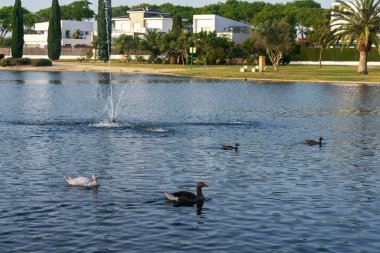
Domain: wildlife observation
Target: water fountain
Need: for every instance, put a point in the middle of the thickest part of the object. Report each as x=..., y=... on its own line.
x=107, y=6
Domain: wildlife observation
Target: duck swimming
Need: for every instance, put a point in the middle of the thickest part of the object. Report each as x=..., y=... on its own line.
x=82, y=181
x=229, y=147
x=188, y=198
x=313, y=142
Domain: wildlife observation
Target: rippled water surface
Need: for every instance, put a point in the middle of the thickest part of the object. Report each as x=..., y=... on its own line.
x=274, y=195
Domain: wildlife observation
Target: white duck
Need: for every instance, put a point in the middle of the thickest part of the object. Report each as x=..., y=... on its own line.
x=82, y=181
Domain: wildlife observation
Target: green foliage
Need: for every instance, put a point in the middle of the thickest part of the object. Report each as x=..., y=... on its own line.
x=42, y=15
x=119, y=11
x=77, y=10
x=17, y=30
x=5, y=20
x=104, y=29
x=277, y=37
x=304, y=4
x=212, y=49
x=15, y=61
x=177, y=23
x=54, y=32
x=333, y=54
x=23, y=61
x=6, y=62
x=153, y=40
x=76, y=34
x=358, y=21
x=125, y=44
x=5, y=42
x=42, y=62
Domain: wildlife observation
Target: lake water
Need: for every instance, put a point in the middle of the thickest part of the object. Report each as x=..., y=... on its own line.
x=275, y=194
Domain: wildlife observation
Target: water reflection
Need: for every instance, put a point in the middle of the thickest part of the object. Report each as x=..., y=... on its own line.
x=275, y=194
x=83, y=190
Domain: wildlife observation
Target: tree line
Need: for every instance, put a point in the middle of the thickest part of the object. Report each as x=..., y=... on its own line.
x=298, y=13
x=275, y=28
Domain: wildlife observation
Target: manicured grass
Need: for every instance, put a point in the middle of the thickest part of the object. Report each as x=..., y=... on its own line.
x=291, y=73
x=285, y=73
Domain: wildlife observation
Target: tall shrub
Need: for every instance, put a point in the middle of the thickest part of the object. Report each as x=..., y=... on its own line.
x=17, y=30
x=104, y=29
x=54, y=32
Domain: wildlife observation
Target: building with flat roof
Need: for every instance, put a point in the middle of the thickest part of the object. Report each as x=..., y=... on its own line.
x=140, y=21
x=237, y=31
x=74, y=33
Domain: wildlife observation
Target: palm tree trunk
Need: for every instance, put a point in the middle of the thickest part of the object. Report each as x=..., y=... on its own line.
x=362, y=68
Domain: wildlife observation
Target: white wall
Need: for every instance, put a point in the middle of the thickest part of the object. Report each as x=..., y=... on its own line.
x=40, y=39
x=154, y=24
x=211, y=23
x=203, y=23
x=167, y=24
x=35, y=40
x=121, y=26
x=124, y=25
x=161, y=24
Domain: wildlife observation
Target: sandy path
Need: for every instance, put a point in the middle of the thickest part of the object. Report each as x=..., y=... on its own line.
x=88, y=67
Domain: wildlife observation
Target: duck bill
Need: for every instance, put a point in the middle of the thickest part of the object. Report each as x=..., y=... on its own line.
x=205, y=185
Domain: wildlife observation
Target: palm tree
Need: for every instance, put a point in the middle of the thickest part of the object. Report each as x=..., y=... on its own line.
x=358, y=21
x=152, y=38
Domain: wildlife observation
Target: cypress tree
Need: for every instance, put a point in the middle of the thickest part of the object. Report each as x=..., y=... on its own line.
x=54, y=32
x=17, y=30
x=104, y=29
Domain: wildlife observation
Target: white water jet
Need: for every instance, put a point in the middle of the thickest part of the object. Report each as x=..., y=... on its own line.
x=115, y=107
x=106, y=10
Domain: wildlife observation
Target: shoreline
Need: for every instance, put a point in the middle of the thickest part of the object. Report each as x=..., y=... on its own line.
x=80, y=67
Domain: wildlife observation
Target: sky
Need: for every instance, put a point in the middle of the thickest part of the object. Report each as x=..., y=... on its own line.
x=35, y=5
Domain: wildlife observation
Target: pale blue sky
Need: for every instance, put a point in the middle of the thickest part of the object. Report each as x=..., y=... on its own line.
x=35, y=5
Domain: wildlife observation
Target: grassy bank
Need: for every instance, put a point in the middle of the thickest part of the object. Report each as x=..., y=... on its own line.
x=291, y=73
x=285, y=73
x=345, y=74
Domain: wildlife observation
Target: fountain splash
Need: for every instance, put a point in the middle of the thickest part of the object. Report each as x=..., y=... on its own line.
x=108, y=11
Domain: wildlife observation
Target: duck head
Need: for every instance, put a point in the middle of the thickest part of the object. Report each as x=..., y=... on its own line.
x=201, y=184
x=94, y=178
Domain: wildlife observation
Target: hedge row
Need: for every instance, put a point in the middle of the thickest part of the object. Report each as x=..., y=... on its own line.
x=25, y=61
x=333, y=54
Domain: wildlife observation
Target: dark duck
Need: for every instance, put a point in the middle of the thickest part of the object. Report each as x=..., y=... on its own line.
x=229, y=147
x=313, y=142
x=188, y=198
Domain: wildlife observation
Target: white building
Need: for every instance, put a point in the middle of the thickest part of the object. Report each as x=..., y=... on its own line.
x=140, y=21
x=73, y=33
x=238, y=32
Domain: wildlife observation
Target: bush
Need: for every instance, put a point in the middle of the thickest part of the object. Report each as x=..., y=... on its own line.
x=8, y=62
x=15, y=61
x=42, y=62
x=333, y=54
x=23, y=61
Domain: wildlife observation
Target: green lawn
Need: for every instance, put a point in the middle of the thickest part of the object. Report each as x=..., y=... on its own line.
x=285, y=73
x=290, y=73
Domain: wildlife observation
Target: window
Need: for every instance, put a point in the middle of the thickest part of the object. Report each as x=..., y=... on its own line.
x=67, y=33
